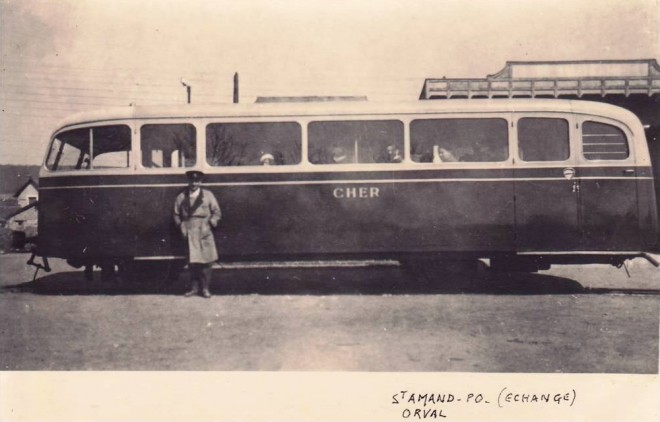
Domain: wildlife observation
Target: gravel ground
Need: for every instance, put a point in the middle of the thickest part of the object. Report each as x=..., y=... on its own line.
x=375, y=318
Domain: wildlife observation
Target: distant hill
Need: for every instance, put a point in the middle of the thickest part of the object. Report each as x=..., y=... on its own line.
x=13, y=176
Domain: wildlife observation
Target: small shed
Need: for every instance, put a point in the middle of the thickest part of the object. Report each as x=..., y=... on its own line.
x=24, y=220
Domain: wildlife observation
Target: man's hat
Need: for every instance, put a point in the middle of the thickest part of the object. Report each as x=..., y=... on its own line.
x=194, y=175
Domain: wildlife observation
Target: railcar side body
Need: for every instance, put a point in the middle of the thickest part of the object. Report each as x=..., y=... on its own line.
x=558, y=180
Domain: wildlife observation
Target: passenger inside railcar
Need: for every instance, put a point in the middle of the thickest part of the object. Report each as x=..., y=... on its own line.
x=339, y=156
x=393, y=154
x=267, y=159
x=443, y=155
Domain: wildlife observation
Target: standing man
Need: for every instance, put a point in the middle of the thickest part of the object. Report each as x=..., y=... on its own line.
x=196, y=214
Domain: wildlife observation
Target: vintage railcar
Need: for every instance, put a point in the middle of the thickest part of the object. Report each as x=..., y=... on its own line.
x=526, y=183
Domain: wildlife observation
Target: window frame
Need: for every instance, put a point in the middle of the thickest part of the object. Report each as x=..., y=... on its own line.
x=205, y=123
x=572, y=139
x=496, y=115
x=405, y=126
x=630, y=159
x=168, y=121
x=106, y=170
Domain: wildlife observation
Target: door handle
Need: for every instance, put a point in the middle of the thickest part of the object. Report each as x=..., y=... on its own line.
x=576, y=186
x=629, y=171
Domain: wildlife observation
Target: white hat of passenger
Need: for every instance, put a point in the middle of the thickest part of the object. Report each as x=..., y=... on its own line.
x=266, y=157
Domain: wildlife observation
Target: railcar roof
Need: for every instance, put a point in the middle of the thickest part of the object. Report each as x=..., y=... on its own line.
x=346, y=108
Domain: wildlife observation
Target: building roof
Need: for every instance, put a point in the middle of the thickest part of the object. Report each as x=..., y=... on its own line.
x=25, y=185
x=21, y=210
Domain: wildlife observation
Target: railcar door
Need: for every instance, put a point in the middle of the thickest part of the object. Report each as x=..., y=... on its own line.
x=85, y=207
x=609, y=215
x=546, y=188
x=468, y=206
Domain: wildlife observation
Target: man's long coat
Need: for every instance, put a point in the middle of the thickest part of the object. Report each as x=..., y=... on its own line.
x=196, y=222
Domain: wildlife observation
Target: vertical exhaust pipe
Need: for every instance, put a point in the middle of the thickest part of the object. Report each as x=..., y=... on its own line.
x=236, y=88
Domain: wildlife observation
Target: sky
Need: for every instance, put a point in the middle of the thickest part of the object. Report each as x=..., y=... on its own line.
x=65, y=56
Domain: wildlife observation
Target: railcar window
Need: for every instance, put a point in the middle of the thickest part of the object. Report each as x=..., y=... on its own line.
x=601, y=141
x=363, y=141
x=543, y=139
x=168, y=145
x=112, y=146
x=253, y=144
x=90, y=148
x=451, y=140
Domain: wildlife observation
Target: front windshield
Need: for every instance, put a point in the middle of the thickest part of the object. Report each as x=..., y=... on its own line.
x=96, y=147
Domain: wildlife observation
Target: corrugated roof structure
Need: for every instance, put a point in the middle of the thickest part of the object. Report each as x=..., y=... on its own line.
x=558, y=79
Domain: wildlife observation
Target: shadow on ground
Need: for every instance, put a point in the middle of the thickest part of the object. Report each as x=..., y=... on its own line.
x=324, y=281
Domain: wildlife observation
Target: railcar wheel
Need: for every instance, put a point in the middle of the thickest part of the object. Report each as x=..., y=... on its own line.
x=157, y=275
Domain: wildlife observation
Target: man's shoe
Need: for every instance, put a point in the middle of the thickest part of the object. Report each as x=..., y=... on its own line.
x=206, y=294
x=190, y=293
